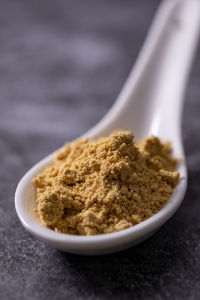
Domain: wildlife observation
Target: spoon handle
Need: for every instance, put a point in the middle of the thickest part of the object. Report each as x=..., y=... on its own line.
x=151, y=100
x=176, y=57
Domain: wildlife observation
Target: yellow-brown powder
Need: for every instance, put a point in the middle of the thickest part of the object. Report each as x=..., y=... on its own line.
x=106, y=185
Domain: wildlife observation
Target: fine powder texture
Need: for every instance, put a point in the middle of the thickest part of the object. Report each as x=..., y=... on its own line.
x=106, y=185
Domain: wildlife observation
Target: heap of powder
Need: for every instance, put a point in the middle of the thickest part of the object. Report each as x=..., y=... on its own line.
x=105, y=185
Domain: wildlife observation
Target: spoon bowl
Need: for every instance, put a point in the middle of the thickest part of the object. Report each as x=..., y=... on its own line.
x=149, y=103
x=90, y=245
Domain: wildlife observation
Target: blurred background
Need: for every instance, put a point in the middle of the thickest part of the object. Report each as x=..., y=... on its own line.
x=62, y=65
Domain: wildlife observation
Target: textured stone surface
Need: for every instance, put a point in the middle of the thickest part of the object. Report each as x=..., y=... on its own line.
x=62, y=64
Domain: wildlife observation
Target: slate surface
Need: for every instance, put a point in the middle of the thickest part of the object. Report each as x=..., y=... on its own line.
x=62, y=63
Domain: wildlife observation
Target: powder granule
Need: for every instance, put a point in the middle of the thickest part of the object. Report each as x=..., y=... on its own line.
x=105, y=185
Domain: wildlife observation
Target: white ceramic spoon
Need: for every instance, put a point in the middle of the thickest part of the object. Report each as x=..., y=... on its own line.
x=149, y=103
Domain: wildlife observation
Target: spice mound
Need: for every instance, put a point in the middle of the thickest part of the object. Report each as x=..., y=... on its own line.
x=105, y=185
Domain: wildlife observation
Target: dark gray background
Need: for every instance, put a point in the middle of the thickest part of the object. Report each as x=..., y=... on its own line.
x=62, y=64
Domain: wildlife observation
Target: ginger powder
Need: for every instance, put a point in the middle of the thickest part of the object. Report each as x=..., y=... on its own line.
x=106, y=185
